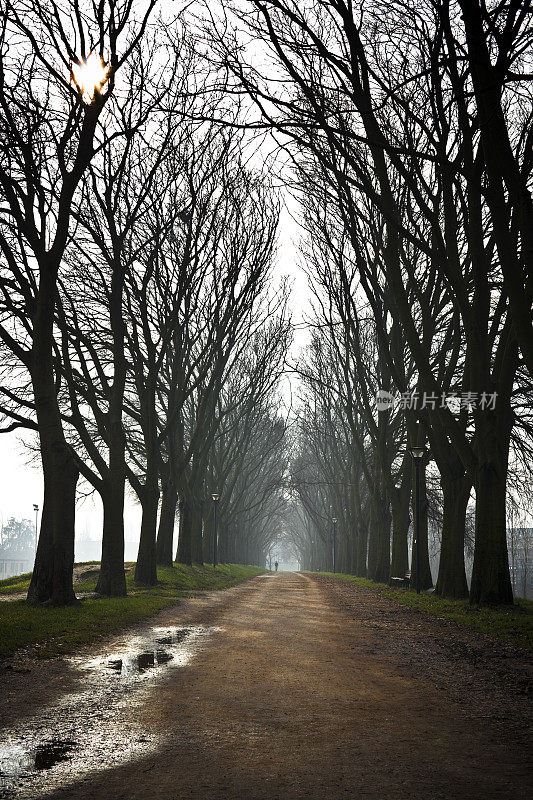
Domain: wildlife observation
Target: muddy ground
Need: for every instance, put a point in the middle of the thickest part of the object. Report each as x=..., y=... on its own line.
x=298, y=687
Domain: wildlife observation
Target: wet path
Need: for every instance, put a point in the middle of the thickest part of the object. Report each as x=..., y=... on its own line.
x=88, y=729
x=269, y=690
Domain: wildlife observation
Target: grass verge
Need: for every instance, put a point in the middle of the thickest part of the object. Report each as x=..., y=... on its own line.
x=510, y=623
x=52, y=631
x=18, y=583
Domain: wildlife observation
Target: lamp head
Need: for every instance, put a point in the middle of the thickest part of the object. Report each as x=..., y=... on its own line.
x=35, y=507
x=215, y=496
x=334, y=520
x=417, y=452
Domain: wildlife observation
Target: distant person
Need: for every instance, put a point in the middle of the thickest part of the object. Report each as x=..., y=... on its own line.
x=276, y=565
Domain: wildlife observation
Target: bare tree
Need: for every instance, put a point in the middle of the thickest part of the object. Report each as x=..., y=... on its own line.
x=49, y=122
x=121, y=185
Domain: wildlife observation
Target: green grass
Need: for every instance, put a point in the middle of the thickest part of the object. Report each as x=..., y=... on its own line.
x=510, y=623
x=361, y=583
x=20, y=583
x=51, y=631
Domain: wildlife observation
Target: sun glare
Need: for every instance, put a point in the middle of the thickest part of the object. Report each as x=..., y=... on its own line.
x=90, y=76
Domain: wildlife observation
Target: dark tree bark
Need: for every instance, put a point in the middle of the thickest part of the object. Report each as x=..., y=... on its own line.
x=51, y=580
x=382, y=569
x=491, y=581
x=451, y=580
x=379, y=534
x=60, y=469
x=426, y=581
x=362, y=550
x=197, y=531
x=112, y=579
x=400, y=530
x=184, y=553
x=146, y=567
x=167, y=521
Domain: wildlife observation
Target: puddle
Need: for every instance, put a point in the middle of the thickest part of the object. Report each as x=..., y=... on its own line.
x=50, y=753
x=93, y=729
x=138, y=658
x=17, y=759
x=140, y=663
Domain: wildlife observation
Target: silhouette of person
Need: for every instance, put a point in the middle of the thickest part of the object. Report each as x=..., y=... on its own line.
x=276, y=565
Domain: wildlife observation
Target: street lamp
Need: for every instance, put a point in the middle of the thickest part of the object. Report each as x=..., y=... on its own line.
x=216, y=498
x=334, y=520
x=36, y=509
x=417, y=454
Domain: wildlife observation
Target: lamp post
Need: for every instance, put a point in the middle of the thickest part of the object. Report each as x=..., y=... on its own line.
x=417, y=454
x=36, y=509
x=216, y=498
x=334, y=520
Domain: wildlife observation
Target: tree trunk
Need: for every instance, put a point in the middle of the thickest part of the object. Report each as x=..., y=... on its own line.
x=379, y=540
x=64, y=513
x=167, y=519
x=207, y=534
x=426, y=580
x=382, y=570
x=400, y=531
x=184, y=554
x=196, y=532
x=54, y=561
x=51, y=580
x=451, y=581
x=207, y=539
x=146, y=567
x=491, y=581
x=354, y=544
x=373, y=533
x=362, y=547
x=112, y=580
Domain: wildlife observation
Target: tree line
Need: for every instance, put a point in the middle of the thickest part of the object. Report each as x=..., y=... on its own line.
x=142, y=340
x=141, y=337
x=407, y=135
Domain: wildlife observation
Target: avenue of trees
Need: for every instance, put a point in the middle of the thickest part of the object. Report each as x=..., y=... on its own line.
x=407, y=134
x=143, y=338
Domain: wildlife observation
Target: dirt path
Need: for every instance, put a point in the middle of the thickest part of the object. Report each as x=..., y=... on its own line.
x=313, y=689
